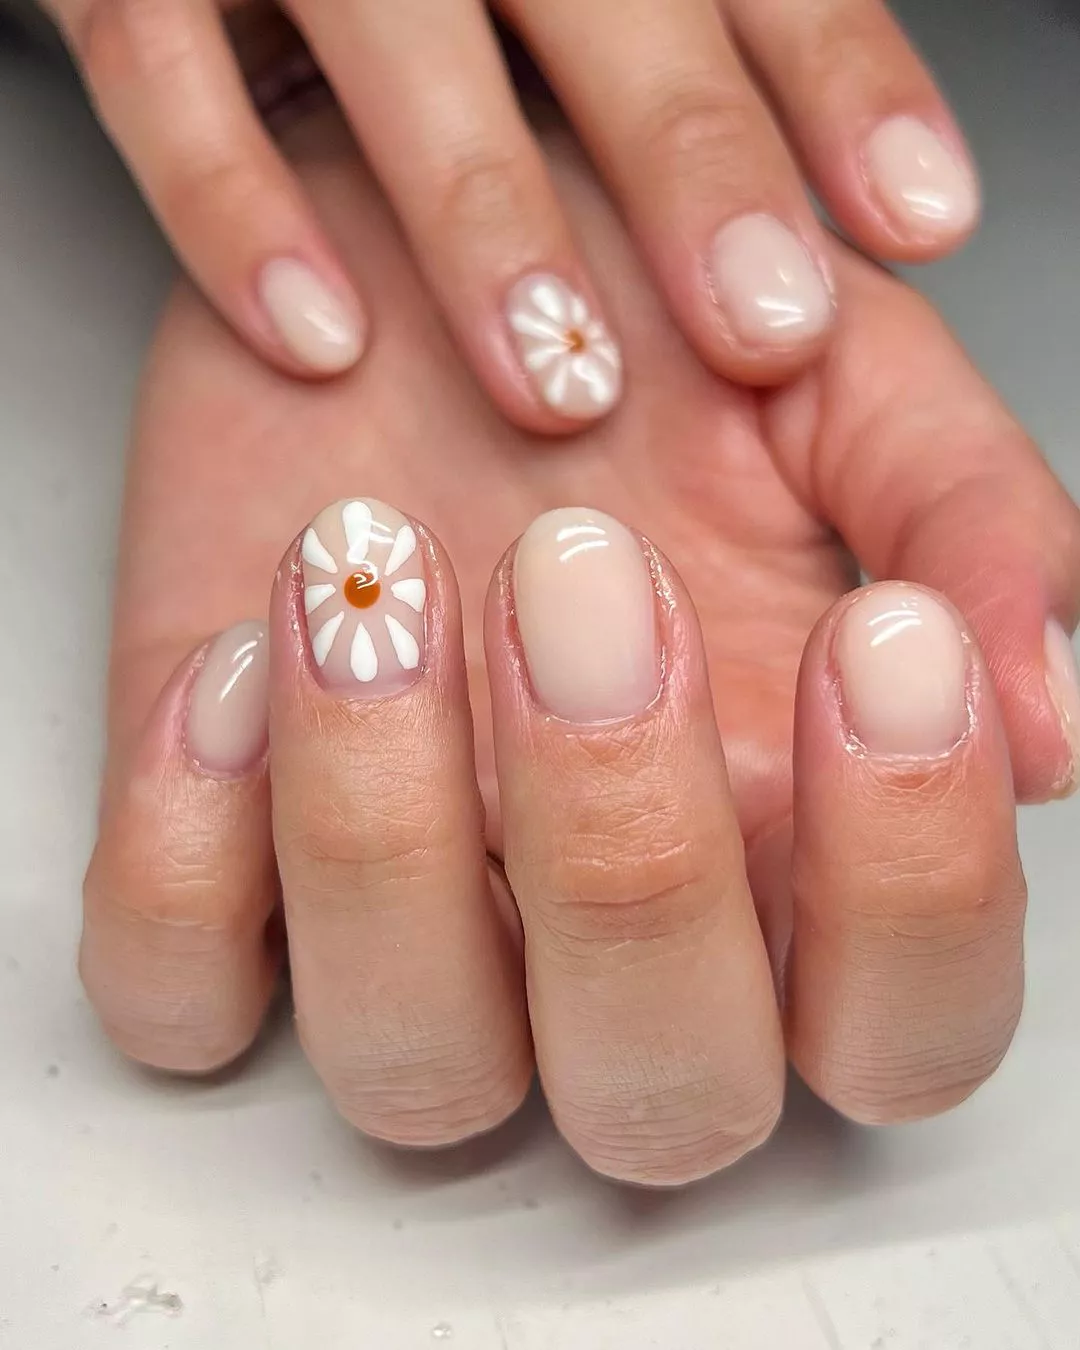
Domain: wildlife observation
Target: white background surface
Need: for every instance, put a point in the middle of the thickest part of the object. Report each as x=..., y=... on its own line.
x=272, y=1223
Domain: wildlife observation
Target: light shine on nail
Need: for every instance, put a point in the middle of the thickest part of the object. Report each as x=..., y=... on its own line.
x=1063, y=686
x=586, y=612
x=902, y=661
x=770, y=289
x=364, y=598
x=568, y=353
x=228, y=714
x=320, y=330
x=920, y=181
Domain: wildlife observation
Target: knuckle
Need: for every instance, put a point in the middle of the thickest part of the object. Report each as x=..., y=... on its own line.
x=701, y=134
x=116, y=41
x=201, y=189
x=675, y=1138
x=484, y=192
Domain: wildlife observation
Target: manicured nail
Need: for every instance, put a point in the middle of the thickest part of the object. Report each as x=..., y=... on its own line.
x=769, y=287
x=572, y=360
x=1063, y=685
x=228, y=713
x=923, y=185
x=903, y=672
x=586, y=612
x=364, y=598
x=319, y=329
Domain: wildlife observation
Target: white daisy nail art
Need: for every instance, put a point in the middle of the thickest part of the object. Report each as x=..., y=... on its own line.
x=364, y=597
x=568, y=352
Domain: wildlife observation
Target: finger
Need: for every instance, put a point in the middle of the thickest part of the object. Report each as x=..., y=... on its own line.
x=660, y=97
x=408, y=985
x=443, y=130
x=168, y=89
x=873, y=131
x=902, y=445
x=906, y=974
x=651, y=1000
x=177, y=956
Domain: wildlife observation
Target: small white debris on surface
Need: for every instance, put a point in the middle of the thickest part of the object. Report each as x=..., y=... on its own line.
x=142, y=1295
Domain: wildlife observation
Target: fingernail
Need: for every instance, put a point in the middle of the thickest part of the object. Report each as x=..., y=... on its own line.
x=1063, y=685
x=228, y=713
x=586, y=612
x=921, y=183
x=771, y=290
x=319, y=329
x=903, y=672
x=568, y=353
x=364, y=598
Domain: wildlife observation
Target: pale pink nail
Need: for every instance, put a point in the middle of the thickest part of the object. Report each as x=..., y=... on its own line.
x=322, y=331
x=228, y=713
x=1063, y=685
x=365, y=596
x=568, y=353
x=586, y=612
x=770, y=289
x=903, y=672
x=925, y=187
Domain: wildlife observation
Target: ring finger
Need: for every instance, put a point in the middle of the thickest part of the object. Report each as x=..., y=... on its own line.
x=652, y=1005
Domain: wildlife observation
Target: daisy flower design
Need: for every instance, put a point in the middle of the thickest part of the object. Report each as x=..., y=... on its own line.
x=364, y=596
x=571, y=357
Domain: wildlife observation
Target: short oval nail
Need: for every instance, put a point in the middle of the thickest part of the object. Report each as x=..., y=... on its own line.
x=586, y=612
x=902, y=663
x=923, y=185
x=769, y=287
x=228, y=714
x=365, y=596
x=320, y=329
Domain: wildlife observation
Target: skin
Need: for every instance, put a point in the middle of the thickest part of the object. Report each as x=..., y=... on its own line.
x=695, y=113
x=739, y=871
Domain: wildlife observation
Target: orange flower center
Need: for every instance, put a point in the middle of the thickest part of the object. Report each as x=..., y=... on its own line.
x=575, y=340
x=362, y=589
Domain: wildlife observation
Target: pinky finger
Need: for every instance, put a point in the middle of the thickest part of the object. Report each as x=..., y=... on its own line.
x=168, y=88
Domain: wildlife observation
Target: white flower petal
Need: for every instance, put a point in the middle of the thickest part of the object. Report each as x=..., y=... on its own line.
x=404, y=548
x=314, y=596
x=595, y=378
x=555, y=389
x=549, y=299
x=579, y=312
x=323, y=640
x=607, y=351
x=405, y=645
x=540, y=357
x=356, y=518
x=316, y=553
x=411, y=592
x=363, y=662
x=528, y=325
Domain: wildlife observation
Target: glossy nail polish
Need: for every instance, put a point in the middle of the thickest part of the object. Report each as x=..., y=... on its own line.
x=902, y=662
x=570, y=357
x=228, y=713
x=586, y=612
x=364, y=598
x=922, y=184
x=320, y=330
x=1063, y=685
x=770, y=289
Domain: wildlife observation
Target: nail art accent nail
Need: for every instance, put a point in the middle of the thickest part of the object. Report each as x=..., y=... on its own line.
x=319, y=329
x=228, y=713
x=1063, y=686
x=569, y=354
x=364, y=597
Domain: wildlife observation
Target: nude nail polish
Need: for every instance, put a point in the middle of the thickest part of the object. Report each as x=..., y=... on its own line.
x=364, y=598
x=228, y=713
x=321, y=330
x=770, y=289
x=571, y=358
x=923, y=185
x=586, y=612
x=1063, y=686
x=902, y=662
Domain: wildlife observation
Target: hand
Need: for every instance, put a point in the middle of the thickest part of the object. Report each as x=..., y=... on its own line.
x=661, y=93
x=880, y=881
